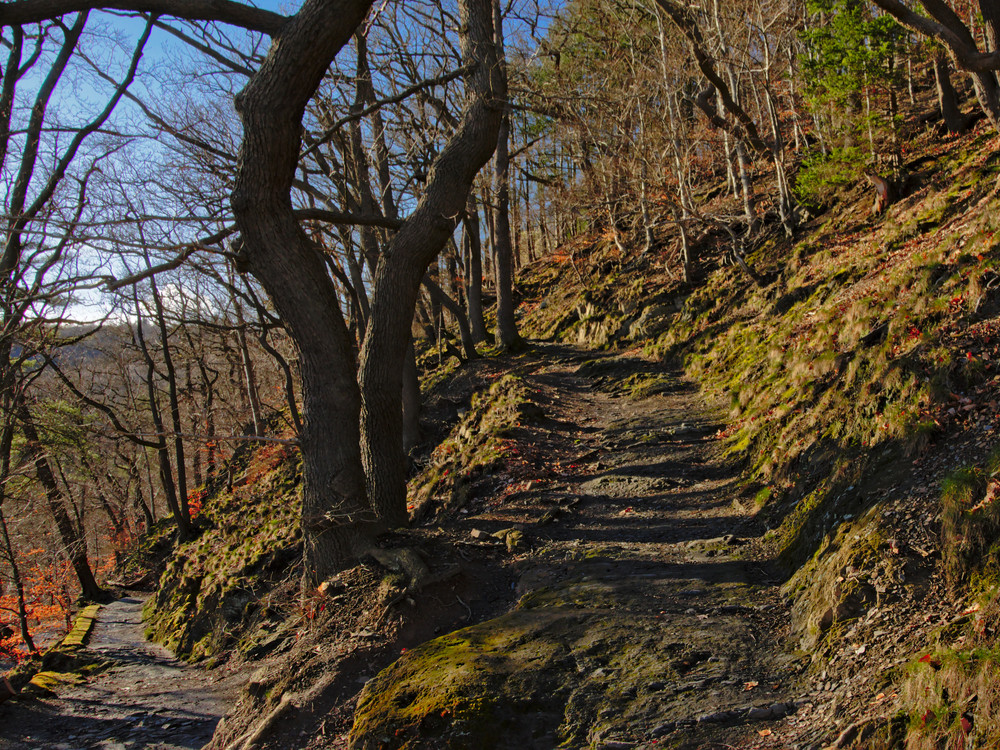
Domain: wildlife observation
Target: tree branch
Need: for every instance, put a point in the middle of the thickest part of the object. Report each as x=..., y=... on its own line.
x=23, y=12
x=338, y=217
x=688, y=26
x=408, y=91
x=965, y=53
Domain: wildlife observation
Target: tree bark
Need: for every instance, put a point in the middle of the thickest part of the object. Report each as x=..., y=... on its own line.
x=401, y=268
x=411, y=400
x=337, y=522
x=947, y=99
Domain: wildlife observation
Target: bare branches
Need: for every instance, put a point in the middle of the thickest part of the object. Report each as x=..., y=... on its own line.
x=395, y=98
x=256, y=19
x=944, y=28
x=23, y=215
x=744, y=127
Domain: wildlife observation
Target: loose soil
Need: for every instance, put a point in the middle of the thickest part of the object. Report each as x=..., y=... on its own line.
x=145, y=698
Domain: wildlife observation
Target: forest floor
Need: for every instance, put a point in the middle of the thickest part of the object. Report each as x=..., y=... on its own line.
x=145, y=698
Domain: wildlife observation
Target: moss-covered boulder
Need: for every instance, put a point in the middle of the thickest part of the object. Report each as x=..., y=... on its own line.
x=571, y=666
x=212, y=591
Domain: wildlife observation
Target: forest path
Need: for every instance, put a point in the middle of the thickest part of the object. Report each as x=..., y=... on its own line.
x=637, y=514
x=147, y=699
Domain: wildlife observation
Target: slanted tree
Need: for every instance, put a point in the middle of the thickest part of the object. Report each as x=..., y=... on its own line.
x=939, y=21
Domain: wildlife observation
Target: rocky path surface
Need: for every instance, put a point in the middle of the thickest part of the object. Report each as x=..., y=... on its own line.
x=147, y=699
x=644, y=538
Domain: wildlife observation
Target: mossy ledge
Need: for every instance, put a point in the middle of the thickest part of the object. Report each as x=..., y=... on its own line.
x=569, y=665
x=213, y=593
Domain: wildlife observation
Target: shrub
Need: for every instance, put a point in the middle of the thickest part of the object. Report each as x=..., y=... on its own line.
x=821, y=176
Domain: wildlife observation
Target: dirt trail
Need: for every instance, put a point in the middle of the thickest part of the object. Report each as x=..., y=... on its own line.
x=637, y=516
x=148, y=699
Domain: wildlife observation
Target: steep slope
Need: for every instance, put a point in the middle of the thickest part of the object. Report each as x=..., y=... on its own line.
x=837, y=396
x=862, y=378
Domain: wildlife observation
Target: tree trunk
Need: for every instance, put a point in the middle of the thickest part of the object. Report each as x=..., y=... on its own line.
x=441, y=297
x=337, y=522
x=947, y=99
x=411, y=400
x=181, y=517
x=15, y=577
x=249, y=372
x=506, y=334
x=71, y=536
x=473, y=249
x=174, y=401
x=401, y=268
x=991, y=16
x=6, y=443
x=945, y=25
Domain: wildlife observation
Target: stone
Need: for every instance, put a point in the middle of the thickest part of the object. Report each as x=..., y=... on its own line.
x=778, y=710
x=664, y=729
x=654, y=320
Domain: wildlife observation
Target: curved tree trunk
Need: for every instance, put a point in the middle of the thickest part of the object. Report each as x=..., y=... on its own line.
x=401, y=268
x=945, y=25
x=337, y=522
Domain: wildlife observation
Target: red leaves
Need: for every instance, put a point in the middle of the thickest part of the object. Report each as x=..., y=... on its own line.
x=930, y=660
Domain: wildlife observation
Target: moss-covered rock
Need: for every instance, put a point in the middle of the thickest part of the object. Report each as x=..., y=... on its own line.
x=475, y=444
x=569, y=665
x=212, y=590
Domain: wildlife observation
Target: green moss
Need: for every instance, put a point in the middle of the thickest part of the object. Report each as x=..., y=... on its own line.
x=475, y=444
x=205, y=598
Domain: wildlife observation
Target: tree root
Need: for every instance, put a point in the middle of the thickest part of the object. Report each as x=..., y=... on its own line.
x=251, y=739
x=407, y=562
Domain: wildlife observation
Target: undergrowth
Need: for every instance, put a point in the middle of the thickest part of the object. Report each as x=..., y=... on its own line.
x=970, y=521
